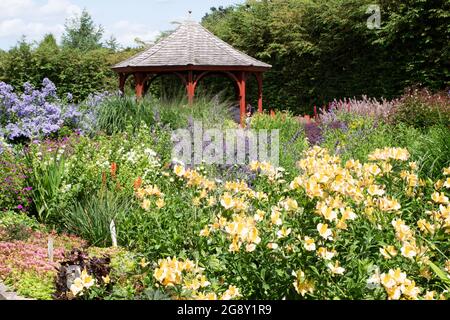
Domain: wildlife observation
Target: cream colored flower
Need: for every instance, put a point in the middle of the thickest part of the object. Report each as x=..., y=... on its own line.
x=309, y=244
x=408, y=250
x=324, y=231
x=231, y=293
x=283, y=233
x=336, y=268
x=179, y=170
x=160, y=203
x=439, y=198
x=272, y=246
x=77, y=287
x=227, y=201
x=388, y=252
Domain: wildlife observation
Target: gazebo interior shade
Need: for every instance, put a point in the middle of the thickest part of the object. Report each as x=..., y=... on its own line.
x=192, y=52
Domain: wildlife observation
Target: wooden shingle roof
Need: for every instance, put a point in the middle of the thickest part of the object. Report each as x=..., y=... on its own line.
x=191, y=45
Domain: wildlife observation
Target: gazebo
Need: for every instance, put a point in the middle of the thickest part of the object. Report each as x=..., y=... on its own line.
x=192, y=53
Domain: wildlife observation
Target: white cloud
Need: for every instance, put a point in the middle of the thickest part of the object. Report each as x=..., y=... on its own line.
x=126, y=32
x=34, y=18
x=58, y=7
x=29, y=18
x=33, y=30
x=14, y=8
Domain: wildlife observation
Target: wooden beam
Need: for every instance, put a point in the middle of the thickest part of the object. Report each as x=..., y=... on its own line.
x=190, y=88
x=242, y=97
x=122, y=80
x=139, y=83
x=158, y=69
x=259, y=78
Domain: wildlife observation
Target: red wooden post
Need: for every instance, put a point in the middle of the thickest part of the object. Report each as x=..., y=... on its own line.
x=242, y=97
x=259, y=78
x=139, y=79
x=122, y=79
x=190, y=87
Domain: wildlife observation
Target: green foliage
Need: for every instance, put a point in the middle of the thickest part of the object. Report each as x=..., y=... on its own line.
x=46, y=179
x=13, y=192
x=18, y=226
x=33, y=285
x=117, y=114
x=91, y=217
x=322, y=50
x=291, y=133
x=81, y=33
x=417, y=32
x=432, y=151
x=428, y=147
x=422, y=110
x=70, y=69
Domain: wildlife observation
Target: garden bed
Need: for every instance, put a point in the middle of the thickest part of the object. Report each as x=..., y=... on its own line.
x=357, y=207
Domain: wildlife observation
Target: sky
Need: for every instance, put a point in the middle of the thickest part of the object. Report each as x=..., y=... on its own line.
x=125, y=19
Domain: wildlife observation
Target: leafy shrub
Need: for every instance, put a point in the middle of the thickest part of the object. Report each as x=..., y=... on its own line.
x=15, y=193
x=328, y=233
x=46, y=179
x=365, y=107
x=33, y=285
x=421, y=109
x=18, y=226
x=91, y=217
x=291, y=133
x=36, y=113
x=92, y=277
x=432, y=151
x=115, y=114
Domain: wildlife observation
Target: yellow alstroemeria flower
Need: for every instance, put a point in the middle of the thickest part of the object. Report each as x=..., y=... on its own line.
x=259, y=216
x=160, y=203
x=87, y=280
x=325, y=254
x=231, y=293
x=301, y=284
x=275, y=217
x=283, y=233
x=250, y=247
x=447, y=183
x=290, y=205
x=146, y=204
x=386, y=204
x=375, y=190
x=179, y=170
x=272, y=246
x=309, y=244
x=336, y=268
x=439, y=198
x=203, y=296
x=77, y=287
x=227, y=201
x=408, y=250
x=425, y=226
x=205, y=232
x=212, y=201
x=143, y=263
x=388, y=252
x=324, y=231
x=106, y=280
